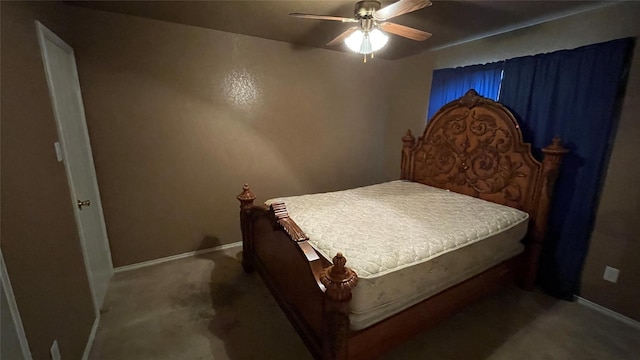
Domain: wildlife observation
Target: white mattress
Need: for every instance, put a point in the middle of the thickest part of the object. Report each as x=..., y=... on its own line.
x=399, y=225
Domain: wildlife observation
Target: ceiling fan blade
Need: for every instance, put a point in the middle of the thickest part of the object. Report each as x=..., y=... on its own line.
x=340, y=38
x=323, y=17
x=405, y=31
x=399, y=8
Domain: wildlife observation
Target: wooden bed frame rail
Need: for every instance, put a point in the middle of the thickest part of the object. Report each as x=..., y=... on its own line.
x=312, y=292
x=472, y=146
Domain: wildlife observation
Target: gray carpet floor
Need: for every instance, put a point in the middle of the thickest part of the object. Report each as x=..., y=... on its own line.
x=206, y=307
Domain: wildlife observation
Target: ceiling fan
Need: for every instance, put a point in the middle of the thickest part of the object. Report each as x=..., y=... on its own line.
x=367, y=37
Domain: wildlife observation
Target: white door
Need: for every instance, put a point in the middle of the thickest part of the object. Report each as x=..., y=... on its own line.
x=64, y=88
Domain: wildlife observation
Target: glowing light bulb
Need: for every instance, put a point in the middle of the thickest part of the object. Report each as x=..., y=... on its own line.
x=366, y=42
x=354, y=40
x=378, y=39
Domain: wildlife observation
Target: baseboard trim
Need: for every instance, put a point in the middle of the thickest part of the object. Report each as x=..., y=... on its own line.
x=92, y=337
x=609, y=312
x=175, y=257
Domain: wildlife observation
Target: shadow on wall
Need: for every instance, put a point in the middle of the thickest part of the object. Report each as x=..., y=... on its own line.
x=209, y=242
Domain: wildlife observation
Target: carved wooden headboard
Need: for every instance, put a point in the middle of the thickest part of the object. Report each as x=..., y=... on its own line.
x=474, y=146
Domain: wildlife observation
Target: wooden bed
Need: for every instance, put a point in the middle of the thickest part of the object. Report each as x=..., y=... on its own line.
x=472, y=146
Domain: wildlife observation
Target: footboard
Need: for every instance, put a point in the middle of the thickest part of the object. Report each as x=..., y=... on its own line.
x=313, y=293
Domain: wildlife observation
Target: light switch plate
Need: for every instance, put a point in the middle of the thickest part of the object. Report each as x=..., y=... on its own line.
x=59, y=154
x=611, y=274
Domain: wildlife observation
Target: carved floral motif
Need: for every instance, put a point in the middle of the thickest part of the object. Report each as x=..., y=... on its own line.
x=281, y=217
x=471, y=148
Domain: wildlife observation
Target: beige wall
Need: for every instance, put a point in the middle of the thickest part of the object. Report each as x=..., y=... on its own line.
x=408, y=107
x=40, y=242
x=615, y=239
x=180, y=117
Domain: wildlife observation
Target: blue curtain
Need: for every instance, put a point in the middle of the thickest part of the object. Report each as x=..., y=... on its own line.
x=574, y=94
x=450, y=84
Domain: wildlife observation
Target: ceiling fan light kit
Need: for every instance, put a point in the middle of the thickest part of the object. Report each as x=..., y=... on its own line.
x=367, y=37
x=366, y=42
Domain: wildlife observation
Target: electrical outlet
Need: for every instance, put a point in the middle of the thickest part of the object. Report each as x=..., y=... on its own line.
x=55, y=351
x=611, y=274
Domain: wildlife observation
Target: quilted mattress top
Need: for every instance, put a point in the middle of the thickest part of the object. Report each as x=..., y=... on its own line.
x=390, y=226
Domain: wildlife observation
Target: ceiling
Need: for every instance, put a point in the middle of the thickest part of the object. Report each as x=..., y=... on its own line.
x=450, y=22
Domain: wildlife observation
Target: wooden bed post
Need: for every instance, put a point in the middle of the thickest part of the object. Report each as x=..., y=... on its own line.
x=246, y=198
x=550, y=170
x=408, y=142
x=338, y=281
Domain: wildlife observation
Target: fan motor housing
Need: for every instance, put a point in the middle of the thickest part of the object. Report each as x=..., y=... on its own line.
x=365, y=9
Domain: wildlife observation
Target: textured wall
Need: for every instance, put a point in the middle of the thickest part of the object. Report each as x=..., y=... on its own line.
x=40, y=242
x=407, y=107
x=615, y=238
x=180, y=117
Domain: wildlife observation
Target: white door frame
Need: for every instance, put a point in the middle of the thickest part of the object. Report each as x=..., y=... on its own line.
x=44, y=33
x=13, y=308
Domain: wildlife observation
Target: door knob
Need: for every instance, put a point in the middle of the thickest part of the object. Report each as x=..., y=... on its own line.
x=83, y=203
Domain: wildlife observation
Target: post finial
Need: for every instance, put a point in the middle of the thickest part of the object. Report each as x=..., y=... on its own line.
x=555, y=148
x=408, y=140
x=246, y=198
x=339, y=279
x=408, y=143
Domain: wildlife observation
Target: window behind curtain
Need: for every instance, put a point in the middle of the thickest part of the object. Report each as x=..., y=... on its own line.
x=571, y=93
x=574, y=94
x=450, y=84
